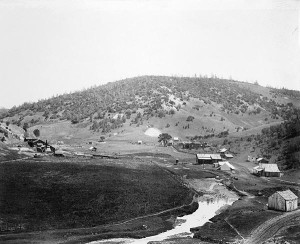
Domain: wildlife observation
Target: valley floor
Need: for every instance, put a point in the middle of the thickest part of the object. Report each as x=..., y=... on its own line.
x=242, y=222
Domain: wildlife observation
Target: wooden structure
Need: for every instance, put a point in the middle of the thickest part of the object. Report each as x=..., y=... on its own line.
x=267, y=170
x=283, y=201
x=262, y=160
x=208, y=158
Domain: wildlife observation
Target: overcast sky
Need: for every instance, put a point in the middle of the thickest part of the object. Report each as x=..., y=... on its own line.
x=56, y=46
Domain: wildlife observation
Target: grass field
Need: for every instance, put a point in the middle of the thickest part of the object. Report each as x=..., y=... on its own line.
x=54, y=195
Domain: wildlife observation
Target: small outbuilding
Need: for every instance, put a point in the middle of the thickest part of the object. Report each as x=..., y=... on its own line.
x=283, y=201
x=262, y=160
x=228, y=156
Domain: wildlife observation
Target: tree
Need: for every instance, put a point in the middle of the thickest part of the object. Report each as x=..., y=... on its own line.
x=25, y=126
x=164, y=137
x=36, y=132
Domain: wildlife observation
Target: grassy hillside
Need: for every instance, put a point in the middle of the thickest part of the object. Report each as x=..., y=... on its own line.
x=164, y=102
x=189, y=108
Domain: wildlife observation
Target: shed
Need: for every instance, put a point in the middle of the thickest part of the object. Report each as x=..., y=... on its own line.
x=94, y=149
x=228, y=155
x=283, y=201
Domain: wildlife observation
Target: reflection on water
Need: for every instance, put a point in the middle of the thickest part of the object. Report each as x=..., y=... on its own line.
x=207, y=209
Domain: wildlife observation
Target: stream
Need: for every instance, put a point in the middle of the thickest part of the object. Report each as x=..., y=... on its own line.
x=208, y=208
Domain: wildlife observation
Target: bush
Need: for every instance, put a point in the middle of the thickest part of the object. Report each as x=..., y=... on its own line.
x=190, y=118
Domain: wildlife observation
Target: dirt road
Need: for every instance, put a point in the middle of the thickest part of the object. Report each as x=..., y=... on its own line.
x=269, y=228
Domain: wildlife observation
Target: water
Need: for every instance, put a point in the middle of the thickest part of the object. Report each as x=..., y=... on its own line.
x=207, y=209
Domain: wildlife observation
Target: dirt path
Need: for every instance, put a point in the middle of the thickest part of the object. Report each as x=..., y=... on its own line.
x=269, y=228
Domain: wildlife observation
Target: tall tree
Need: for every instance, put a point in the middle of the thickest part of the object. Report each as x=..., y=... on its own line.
x=164, y=137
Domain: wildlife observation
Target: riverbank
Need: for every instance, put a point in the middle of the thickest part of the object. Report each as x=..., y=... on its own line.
x=216, y=198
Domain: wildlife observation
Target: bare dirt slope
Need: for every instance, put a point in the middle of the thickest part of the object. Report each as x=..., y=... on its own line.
x=272, y=226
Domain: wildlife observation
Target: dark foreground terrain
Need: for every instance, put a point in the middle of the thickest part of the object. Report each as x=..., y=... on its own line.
x=63, y=194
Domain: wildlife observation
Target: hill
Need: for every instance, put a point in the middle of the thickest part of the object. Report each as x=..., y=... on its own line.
x=189, y=108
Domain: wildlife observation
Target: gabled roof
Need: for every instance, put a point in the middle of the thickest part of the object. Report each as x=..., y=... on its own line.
x=225, y=165
x=215, y=156
x=223, y=150
x=287, y=195
x=270, y=167
x=203, y=156
x=261, y=159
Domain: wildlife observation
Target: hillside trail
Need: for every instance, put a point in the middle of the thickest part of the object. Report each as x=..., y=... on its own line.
x=269, y=228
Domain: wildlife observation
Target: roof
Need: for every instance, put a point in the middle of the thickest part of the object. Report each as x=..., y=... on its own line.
x=215, y=156
x=225, y=165
x=223, y=150
x=261, y=159
x=270, y=167
x=203, y=156
x=176, y=138
x=228, y=155
x=257, y=168
x=287, y=195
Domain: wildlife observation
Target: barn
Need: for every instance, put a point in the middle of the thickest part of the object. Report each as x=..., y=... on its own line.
x=283, y=201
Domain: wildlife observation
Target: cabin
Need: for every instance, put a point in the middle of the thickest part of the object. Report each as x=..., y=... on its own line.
x=285, y=201
x=267, y=170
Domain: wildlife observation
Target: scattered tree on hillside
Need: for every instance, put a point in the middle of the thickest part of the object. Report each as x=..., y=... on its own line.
x=36, y=132
x=164, y=138
x=190, y=118
x=25, y=126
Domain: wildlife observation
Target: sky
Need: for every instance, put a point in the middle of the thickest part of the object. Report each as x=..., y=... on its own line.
x=60, y=46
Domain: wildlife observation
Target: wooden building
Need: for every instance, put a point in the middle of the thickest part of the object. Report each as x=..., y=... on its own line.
x=283, y=201
x=208, y=158
x=203, y=159
x=267, y=170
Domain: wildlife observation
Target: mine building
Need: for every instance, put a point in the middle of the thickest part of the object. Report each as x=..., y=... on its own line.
x=283, y=201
